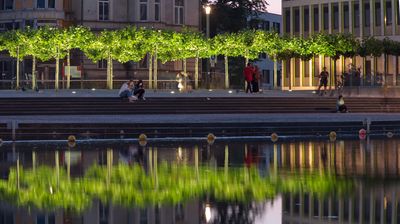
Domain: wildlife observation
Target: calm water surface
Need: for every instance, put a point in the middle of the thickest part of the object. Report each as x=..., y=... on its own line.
x=225, y=182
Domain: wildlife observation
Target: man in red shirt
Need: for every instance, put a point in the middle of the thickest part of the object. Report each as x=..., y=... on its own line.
x=248, y=76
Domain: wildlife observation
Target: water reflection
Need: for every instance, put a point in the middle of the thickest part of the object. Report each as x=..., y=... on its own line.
x=289, y=182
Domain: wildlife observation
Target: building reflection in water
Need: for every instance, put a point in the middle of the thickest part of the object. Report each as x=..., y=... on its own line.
x=374, y=166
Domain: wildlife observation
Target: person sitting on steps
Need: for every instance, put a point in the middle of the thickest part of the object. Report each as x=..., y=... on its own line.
x=341, y=106
x=125, y=92
x=139, y=90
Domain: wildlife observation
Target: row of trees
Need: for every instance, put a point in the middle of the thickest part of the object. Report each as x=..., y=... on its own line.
x=133, y=44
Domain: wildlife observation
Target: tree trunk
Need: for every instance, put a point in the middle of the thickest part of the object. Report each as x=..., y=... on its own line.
x=56, y=86
x=68, y=70
x=155, y=70
x=196, y=73
x=17, y=74
x=275, y=81
x=385, y=67
x=33, y=72
x=334, y=73
x=57, y=162
x=226, y=72
x=111, y=73
x=108, y=71
x=150, y=61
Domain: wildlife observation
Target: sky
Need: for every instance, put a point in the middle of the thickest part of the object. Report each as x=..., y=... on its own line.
x=275, y=6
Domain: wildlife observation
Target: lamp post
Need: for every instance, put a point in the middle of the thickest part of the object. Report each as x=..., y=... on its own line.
x=207, y=9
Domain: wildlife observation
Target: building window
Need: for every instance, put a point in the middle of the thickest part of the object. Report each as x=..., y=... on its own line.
x=366, y=15
x=266, y=77
x=179, y=11
x=287, y=21
x=276, y=27
x=326, y=17
x=377, y=13
x=316, y=18
x=42, y=4
x=335, y=17
x=356, y=17
x=102, y=64
x=157, y=12
x=346, y=16
x=266, y=25
x=306, y=20
x=143, y=10
x=104, y=9
x=389, y=16
x=296, y=20
x=6, y=4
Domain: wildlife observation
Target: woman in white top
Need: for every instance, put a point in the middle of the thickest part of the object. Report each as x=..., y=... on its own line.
x=341, y=106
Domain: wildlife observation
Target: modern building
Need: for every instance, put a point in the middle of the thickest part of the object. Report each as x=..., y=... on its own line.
x=268, y=22
x=362, y=18
x=98, y=15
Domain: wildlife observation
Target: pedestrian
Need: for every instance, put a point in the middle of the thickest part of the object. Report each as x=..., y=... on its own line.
x=323, y=80
x=139, y=90
x=256, y=80
x=126, y=91
x=341, y=106
x=248, y=76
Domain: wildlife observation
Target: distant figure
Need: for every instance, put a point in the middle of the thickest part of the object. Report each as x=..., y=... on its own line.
x=256, y=80
x=139, y=90
x=248, y=76
x=341, y=106
x=323, y=80
x=126, y=91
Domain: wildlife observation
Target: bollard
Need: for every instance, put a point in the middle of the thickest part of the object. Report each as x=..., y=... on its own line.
x=71, y=141
x=332, y=136
x=274, y=137
x=211, y=138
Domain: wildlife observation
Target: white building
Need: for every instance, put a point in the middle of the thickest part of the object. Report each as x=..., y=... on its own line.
x=268, y=22
x=362, y=18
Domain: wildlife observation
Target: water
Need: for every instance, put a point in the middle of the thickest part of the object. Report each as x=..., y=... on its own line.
x=195, y=182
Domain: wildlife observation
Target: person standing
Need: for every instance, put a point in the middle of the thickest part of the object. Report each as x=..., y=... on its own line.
x=256, y=79
x=248, y=76
x=323, y=80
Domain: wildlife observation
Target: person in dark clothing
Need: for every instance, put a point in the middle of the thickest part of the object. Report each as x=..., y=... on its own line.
x=341, y=106
x=248, y=76
x=138, y=91
x=323, y=80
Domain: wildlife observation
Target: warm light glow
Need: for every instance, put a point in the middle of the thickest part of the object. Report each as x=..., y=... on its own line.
x=210, y=90
x=73, y=92
x=207, y=213
x=230, y=91
x=208, y=9
x=93, y=89
x=172, y=92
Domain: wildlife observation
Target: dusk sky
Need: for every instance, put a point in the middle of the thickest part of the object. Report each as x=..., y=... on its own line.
x=275, y=6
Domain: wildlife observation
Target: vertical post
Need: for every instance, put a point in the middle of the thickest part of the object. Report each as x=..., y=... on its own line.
x=155, y=167
x=383, y=17
x=275, y=72
x=292, y=71
x=109, y=165
x=283, y=73
x=68, y=160
x=56, y=86
x=68, y=71
x=155, y=70
x=33, y=72
x=33, y=161
x=196, y=160
x=226, y=72
x=196, y=72
x=17, y=74
x=361, y=9
x=18, y=173
x=208, y=11
x=57, y=168
x=111, y=73
x=150, y=61
x=226, y=160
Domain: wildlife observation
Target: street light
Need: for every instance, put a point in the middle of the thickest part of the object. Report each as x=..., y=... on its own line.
x=207, y=9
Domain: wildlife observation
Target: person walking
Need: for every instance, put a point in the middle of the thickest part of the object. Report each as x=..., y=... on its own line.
x=323, y=80
x=248, y=76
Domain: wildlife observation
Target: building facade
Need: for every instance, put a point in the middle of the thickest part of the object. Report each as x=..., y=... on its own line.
x=98, y=15
x=270, y=70
x=361, y=18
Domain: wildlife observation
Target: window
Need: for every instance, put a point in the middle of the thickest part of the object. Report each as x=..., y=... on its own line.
x=346, y=16
x=326, y=17
x=179, y=12
x=306, y=20
x=296, y=20
x=102, y=64
x=143, y=10
x=157, y=13
x=276, y=27
x=366, y=15
x=389, y=16
x=42, y=4
x=377, y=13
x=266, y=76
x=356, y=17
x=6, y=4
x=287, y=21
x=104, y=8
x=316, y=18
x=265, y=25
x=336, y=17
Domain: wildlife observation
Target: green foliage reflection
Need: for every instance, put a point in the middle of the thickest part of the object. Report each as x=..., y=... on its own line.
x=47, y=189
